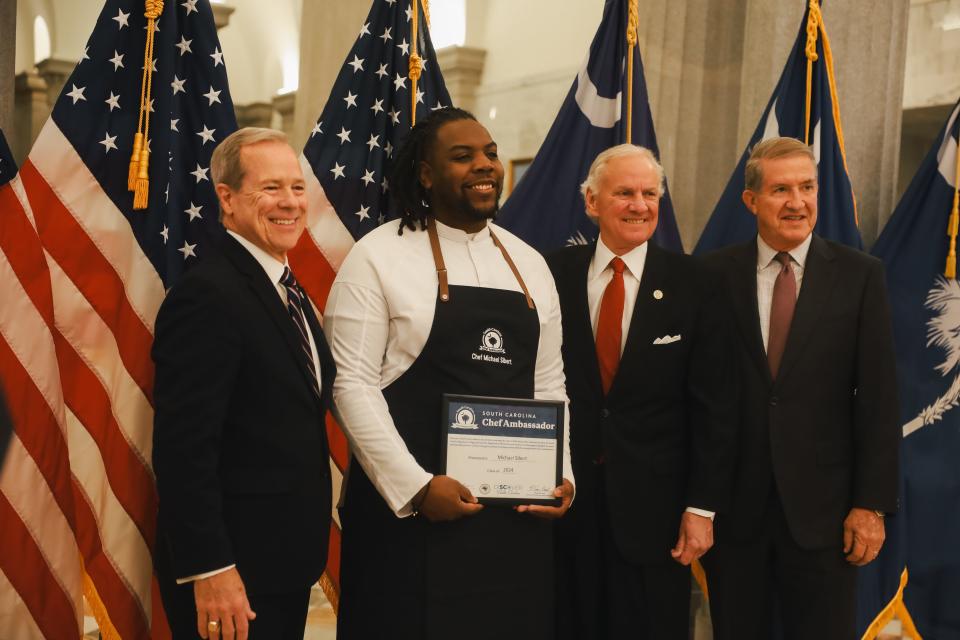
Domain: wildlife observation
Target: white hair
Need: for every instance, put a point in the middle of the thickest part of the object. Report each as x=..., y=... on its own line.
x=599, y=165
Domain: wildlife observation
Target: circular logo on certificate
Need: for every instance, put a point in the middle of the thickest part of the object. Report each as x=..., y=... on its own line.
x=492, y=341
x=484, y=488
x=464, y=418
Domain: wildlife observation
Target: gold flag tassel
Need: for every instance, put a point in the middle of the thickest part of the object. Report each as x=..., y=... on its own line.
x=416, y=65
x=951, y=269
x=138, y=178
x=330, y=589
x=815, y=26
x=633, y=20
x=104, y=624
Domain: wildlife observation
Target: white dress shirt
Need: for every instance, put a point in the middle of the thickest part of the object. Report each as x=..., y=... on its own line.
x=599, y=276
x=377, y=320
x=274, y=270
x=767, y=269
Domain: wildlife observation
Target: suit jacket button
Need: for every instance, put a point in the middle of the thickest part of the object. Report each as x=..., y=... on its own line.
x=605, y=412
x=773, y=401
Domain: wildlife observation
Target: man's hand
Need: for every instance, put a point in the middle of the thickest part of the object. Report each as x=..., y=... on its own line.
x=695, y=539
x=564, y=492
x=863, y=536
x=444, y=498
x=222, y=598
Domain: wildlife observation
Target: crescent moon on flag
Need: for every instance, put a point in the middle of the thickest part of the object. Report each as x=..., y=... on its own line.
x=600, y=111
x=948, y=152
x=772, y=130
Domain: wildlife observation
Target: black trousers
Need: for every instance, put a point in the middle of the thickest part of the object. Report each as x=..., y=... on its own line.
x=601, y=595
x=279, y=616
x=770, y=587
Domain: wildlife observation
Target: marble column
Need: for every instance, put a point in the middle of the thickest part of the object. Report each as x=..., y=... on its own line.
x=255, y=114
x=284, y=105
x=8, y=44
x=462, y=68
x=711, y=68
x=322, y=53
x=30, y=112
x=55, y=73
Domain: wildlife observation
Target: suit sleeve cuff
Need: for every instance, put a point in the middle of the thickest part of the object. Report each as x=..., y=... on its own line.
x=701, y=512
x=201, y=576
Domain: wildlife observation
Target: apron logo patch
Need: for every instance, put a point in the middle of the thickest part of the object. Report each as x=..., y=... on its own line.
x=465, y=419
x=491, y=342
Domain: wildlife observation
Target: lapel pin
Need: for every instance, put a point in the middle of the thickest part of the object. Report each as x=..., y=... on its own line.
x=657, y=294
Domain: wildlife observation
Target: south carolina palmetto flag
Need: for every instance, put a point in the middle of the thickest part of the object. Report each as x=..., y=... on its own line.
x=786, y=115
x=925, y=306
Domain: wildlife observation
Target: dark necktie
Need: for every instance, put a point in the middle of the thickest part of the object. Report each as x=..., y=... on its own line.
x=609, y=326
x=295, y=302
x=781, y=312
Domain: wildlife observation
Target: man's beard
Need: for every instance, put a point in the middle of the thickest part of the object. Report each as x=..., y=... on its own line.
x=467, y=209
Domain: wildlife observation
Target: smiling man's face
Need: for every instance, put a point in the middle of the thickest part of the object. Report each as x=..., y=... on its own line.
x=626, y=203
x=786, y=203
x=463, y=175
x=270, y=207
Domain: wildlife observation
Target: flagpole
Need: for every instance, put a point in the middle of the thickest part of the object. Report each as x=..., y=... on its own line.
x=951, y=269
x=815, y=26
x=633, y=20
x=813, y=20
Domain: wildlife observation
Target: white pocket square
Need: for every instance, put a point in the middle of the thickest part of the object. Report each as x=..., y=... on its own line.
x=667, y=339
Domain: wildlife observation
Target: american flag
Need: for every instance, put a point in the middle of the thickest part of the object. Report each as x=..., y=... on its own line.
x=83, y=276
x=347, y=162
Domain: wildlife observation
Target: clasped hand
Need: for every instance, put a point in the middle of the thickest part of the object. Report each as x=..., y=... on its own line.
x=444, y=498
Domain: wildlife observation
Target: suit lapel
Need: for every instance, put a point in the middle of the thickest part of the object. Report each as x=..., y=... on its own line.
x=267, y=294
x=744, y=292
x=818, y=281
x=646, y=312
x=580, y=325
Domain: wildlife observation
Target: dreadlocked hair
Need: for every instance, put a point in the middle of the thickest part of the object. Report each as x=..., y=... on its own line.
x=409, y=196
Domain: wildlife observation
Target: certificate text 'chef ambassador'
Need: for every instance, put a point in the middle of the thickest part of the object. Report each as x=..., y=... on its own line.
x=505, y=450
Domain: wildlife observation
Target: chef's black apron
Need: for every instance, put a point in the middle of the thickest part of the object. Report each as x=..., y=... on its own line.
x=488, y=575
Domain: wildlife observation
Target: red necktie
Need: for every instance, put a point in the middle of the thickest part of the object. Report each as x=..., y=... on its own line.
x=781, y=312
x=609, y=326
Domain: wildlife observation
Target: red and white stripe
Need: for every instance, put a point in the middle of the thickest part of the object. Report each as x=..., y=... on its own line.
x=80, y=299
x=315, y=260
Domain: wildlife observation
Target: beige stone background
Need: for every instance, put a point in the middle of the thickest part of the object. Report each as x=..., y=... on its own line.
x=710, y=67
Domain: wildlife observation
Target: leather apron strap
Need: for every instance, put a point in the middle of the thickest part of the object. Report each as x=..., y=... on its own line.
x=442, y=268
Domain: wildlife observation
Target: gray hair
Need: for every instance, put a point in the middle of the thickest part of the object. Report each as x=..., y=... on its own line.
x=771, y=149
x=225, y=164
x=599, y=166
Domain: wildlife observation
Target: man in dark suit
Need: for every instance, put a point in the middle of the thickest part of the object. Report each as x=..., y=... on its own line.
x=243, y=380
x=817, y=466
x=647, y=360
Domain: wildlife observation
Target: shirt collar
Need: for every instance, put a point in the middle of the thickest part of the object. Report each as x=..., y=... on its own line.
x=634, y=259
x=459, y=235
x=271, y=267
x=766, y=254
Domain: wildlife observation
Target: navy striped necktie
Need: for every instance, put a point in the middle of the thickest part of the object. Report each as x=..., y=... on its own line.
x=295, y=301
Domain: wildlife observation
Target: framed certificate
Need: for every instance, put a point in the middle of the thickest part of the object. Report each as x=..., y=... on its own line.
x=505, y=450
